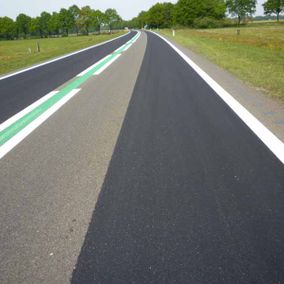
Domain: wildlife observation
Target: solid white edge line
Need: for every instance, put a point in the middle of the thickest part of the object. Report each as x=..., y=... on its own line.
x=127, y=47
x=137, y=37
x=103, y=68
x=97, y=63
x=120, y=47
x=107, y=65
x=26, y=110
x=14, y=141
x=23, y=112
x=131, y=42
x=93, y=66
x=275, y=145
x=59, y=58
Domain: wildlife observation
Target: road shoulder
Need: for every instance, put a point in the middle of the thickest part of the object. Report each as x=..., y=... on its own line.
x=267, y=110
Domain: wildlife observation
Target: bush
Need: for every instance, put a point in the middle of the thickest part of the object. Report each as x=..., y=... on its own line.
x=207, y=23
x=228, y=23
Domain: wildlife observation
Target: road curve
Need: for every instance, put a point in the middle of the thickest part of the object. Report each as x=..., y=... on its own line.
x=21, y=90
x=191, y=194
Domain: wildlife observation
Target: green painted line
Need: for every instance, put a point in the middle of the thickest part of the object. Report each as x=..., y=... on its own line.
x=125, y=45
x=20, y=124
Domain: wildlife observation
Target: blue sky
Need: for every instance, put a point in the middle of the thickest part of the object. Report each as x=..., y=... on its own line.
x=126, y=8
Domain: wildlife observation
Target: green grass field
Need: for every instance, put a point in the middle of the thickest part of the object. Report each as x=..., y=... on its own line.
x=255, y=56
x=15, y=54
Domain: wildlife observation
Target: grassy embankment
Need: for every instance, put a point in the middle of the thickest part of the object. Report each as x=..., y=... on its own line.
x=15, y=54
x=255, y=56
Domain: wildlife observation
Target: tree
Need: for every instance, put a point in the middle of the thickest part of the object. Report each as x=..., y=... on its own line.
x=85, y=19
x=75, y=12
x=98, y=18
x=189, y=10
x=7, y=28
x=241, y=8
x=66, y=21
x=142, y=19
x=112, y=17
x=35, y=26
x=23, y=24
x=161, y=15
x=133, y=23
x=168, y=13
x=274, y=7
x=156, y=16
x=54, y=23
x=43, y=23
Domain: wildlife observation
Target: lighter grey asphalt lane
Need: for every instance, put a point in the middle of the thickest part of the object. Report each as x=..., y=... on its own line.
x=146, y=176
x=50, y=182
x=21, y=90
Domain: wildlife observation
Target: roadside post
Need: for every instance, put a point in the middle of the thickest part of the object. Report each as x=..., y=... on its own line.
x=38, y=47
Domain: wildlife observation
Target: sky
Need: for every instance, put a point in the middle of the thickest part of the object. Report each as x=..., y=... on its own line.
x=127, y=9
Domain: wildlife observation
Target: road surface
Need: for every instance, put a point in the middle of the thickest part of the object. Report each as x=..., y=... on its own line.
x=17, y=92
x=145, y=176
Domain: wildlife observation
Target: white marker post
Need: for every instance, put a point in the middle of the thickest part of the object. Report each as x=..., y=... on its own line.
x=174, y=33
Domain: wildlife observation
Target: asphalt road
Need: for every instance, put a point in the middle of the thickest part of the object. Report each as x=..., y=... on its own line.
x=149, y=179
x=19, y=91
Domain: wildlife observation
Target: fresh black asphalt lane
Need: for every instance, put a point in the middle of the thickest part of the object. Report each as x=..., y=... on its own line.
x=191, y=194
x=21, y=90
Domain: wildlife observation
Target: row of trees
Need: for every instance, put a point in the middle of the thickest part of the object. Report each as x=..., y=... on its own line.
x=162, y=15
x=74, y=19
x=190, y=12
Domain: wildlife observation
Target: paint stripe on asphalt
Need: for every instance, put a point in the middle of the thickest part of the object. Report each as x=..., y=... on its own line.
x=59, y=58
x=127, y=47
x=93, y=66
x=121, y=47
x=16, y=139
x=109, y=59
x=25, y=111
x=15, y=129
x=105, y=66
x=275, y=145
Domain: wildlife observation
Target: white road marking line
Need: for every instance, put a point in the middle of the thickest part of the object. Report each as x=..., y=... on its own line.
x=93, y=66
x=25, y=111
x=120, y=48
x=137, y=38
x=107, y=65
x=59, y=58
x=97, y=63
x=9, y=145
x=275, y=145
x=21, y=135
x=127, y=47
x=20, y=114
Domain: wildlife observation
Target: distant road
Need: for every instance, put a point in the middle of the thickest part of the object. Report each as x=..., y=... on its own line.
x=19, y=91
x=191, y=194
x=145, y=176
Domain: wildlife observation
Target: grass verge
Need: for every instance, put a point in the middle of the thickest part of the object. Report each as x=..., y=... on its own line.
x=255, y=56
x=15, y=54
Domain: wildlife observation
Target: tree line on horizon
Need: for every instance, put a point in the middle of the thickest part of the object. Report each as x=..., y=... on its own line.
x=72, y=20
x=202, y=14
x=185, y=13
